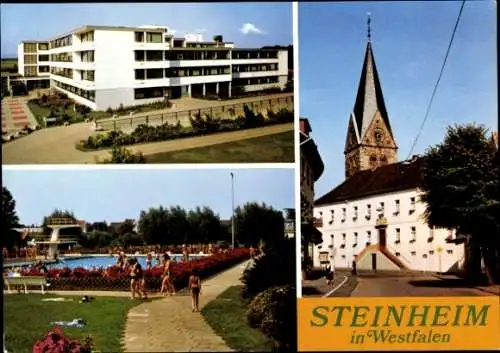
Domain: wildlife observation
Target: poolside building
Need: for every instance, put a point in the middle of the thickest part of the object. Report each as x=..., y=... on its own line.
x=108, y=67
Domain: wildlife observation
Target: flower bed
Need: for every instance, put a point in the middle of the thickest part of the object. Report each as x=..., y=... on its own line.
x=114, y=279
x=199, y=126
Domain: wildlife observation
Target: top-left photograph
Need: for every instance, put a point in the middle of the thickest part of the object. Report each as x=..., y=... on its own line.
x=147, y=83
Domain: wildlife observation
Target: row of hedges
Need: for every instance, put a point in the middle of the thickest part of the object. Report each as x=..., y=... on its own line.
x=199, y=126
x=114, y=279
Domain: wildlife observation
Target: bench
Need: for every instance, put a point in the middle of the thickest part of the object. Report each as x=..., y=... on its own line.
x=25, y=282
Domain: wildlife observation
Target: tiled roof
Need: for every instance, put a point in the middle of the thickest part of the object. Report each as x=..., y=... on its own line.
x=369, y=98
x=389, y=178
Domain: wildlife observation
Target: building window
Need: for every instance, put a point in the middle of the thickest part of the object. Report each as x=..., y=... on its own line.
x=153, y=92
x=431, y=235
x=139, y=37
x=43, y=57
x=140, y=74
x=154, y=74
x=412, y=205
x=368, y=237
x=355, y=217
x=344, y=239
x=88, y=56
x=30, y=47
x=332, y=217
x=368, y=212
x=44, y=69
x=154, y=55
x=413, y=234
x=344, y=214
x=88, y=75
x=355, y=240
x=30, y=71
x=43, y=46
x=449, y=251
x=152, y=37
x=30, y=59
x=398, y=236
x=373, y=160
x=396, y=207
x=87, y=37
x=380, y=207
x=140, y=55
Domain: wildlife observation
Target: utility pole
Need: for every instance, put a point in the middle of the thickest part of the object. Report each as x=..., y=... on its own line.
x=232, y=205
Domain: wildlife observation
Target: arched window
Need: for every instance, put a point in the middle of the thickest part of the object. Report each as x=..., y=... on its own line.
x=383, y=160
x=373, y=160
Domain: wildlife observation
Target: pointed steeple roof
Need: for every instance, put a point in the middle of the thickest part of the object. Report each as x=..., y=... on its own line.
x=369, y=99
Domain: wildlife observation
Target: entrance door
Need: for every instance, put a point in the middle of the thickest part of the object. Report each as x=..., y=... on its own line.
x=382, y=237
x=374, y=262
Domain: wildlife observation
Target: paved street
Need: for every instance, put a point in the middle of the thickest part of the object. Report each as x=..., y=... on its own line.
x=391, y=284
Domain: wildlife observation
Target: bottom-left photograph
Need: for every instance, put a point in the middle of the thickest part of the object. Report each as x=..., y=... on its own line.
x=149, y=260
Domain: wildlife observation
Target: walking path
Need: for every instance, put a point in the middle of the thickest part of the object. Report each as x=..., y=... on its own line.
x=168, y=325
x=16, y=115
x=57, y=145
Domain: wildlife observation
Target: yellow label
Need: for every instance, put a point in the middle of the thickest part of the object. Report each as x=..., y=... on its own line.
x=399, y=323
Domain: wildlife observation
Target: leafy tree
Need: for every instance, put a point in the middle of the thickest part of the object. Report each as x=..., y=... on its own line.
x=258, y=222
x=218, y=38
x=461, y=190
x=10, y=220
x=205, y=226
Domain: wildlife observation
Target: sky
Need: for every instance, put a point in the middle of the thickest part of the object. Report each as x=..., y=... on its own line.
x=246, y=24
x=113, y=195
x=409, y=41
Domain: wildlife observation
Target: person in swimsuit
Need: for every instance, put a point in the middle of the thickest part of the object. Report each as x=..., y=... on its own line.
x=149, y=259
x=166, y=285
x=194, y=287
x=133, y=278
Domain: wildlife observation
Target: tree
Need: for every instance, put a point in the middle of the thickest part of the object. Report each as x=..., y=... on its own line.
x=461, y=188
x=258, y=222
x=10, y=220
x=218, y=38
x=61, y=214
x=205, y=226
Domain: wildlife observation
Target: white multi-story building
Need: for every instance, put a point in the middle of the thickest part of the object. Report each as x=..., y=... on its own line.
x=107, y=67
x=375, y=217
x=33, y=62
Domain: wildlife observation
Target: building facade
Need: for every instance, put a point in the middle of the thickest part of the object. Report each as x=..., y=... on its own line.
x=375, y=217
x=311, y=168
x=107, y=67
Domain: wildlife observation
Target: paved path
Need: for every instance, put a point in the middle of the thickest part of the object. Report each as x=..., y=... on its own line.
x=57, y=145
x=16, y=115
x=168, y=325
x=410, y=286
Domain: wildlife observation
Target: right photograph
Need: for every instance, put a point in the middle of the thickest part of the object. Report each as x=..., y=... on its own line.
x=399, y=149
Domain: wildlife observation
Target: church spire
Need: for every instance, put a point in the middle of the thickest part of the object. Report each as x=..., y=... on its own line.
x=370, y=141
x=369, y=27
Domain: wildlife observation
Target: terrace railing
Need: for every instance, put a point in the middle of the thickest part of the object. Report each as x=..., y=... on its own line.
x=226, y=110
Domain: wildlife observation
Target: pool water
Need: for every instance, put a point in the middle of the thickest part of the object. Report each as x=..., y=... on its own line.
x=105, y=261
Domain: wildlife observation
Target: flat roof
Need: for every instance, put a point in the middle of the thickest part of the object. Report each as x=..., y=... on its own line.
x=34, y=41
x=87, y=28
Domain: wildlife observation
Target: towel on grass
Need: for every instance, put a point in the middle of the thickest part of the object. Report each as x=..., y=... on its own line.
x=79, y=323
x=57, y=300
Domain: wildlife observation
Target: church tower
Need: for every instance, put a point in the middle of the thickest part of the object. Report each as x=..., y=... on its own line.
x=370, y=142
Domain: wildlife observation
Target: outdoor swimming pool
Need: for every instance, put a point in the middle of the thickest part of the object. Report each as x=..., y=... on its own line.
x=99, y=261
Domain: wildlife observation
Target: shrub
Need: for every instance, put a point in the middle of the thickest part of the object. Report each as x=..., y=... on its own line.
x=274, y=312
x=199, y=125
x=275, y=267
x=56, y=342
x=109, y=110
x=121, y=155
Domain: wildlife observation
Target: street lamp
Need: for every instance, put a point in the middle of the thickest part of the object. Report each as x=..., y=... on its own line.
x=232, y=204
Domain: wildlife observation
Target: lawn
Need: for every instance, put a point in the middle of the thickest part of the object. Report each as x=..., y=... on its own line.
x=278, y=148
x=227, y=317
x=27, y=319
x=8, y=64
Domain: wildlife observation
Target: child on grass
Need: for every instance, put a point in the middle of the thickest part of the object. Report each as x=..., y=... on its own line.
x=194, y=287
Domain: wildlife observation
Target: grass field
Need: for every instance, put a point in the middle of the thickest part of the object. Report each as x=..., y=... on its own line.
x=27, y=319
x=8, y=64
x=227, y=317
x=278, y=148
